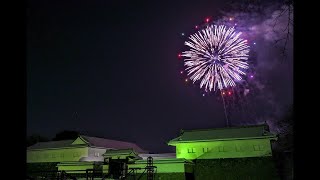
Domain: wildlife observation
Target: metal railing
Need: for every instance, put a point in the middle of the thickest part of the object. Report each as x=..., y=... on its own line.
x=89, y=174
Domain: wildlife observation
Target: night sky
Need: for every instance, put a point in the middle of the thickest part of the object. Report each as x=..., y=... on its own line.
x=110, y=69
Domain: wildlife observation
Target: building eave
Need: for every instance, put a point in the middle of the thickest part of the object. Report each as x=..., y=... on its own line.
x=165, y=161
x=66, y=147
x=102, y=147
x=174, y=142
x=84, y=140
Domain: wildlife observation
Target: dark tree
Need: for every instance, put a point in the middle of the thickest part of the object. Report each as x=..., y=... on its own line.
x=66, y=135
x=33, y=139
x=282, y=22
x=285, y=125
x=283, y=148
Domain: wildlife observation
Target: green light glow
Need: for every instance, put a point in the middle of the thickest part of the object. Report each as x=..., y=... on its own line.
x=198, y=152
x=224, y=149
x=166, y=166
x=56, y=155
x=72, y=166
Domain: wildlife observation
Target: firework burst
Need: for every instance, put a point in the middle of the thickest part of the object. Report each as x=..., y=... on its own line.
x=217, y=57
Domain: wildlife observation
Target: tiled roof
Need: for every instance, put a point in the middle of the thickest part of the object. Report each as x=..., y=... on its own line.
x=51, y=144
x=223, y=133
x=112, y=144
x=122, y=152
x=158, y=156
x=92, y=141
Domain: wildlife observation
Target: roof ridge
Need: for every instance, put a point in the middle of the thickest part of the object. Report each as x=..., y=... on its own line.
x=56, y=141
x=106, y=139
x=120, y=149
x=235, y=127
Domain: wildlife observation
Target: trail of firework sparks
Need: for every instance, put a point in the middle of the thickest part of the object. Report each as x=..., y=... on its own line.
x=217, y=57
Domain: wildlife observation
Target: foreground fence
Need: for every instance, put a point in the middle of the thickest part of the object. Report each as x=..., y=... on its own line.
x=88, y=174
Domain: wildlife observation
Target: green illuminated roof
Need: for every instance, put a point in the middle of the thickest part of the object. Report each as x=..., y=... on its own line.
x=87, y=141
x=51, y=144
x=112, y=144
x=244, y=132
x=121, y=152
x=165, y=161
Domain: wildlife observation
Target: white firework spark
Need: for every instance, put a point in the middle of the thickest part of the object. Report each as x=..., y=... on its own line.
x=217, y=57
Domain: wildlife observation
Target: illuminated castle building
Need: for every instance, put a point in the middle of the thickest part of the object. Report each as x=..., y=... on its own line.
x=253, y=141
x=209, y=147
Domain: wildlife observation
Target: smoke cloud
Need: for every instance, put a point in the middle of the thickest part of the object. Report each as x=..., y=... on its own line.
x=269, y=29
